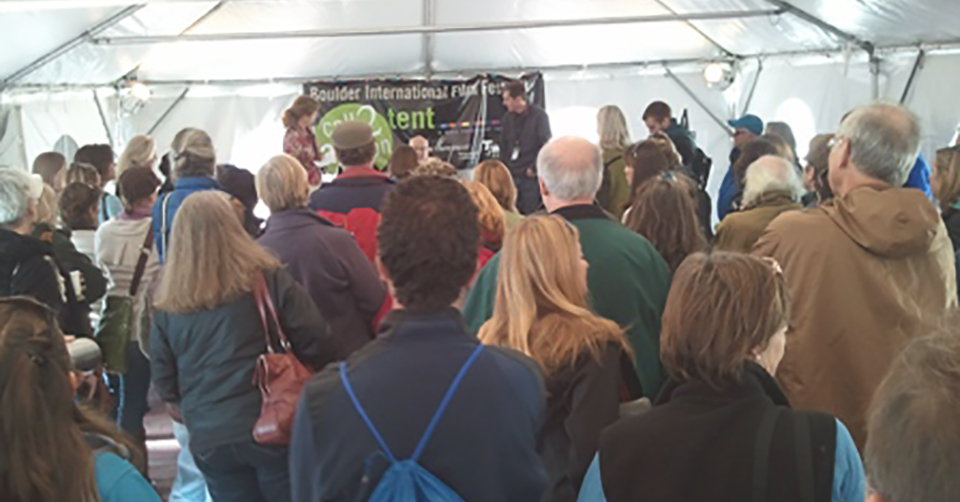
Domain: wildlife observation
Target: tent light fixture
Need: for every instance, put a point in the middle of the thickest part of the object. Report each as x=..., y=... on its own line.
x=719, y=75
x=133, y=95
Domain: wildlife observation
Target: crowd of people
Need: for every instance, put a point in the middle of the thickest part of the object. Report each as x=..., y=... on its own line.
x=568, y=325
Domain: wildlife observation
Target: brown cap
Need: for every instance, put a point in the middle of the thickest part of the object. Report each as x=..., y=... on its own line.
x=137, y=183
x=350, y=135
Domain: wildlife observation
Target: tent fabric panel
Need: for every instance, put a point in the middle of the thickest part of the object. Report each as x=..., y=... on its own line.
x=889, y=22
x=160, y=19
x=37, y=33
x=288, y=58
x=459, y=12
x=768, y=35
x=579, y=45
x=301, y=15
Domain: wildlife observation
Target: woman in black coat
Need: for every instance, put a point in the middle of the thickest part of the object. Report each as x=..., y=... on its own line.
x=207, y=336
x=721, y=428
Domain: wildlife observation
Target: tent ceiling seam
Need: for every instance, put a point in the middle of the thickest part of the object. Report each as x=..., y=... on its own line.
x=866, y=45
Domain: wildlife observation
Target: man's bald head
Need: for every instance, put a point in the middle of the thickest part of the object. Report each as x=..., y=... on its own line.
x=769, y=174
x=570, y=168
x=883, y=141
x=421, y=146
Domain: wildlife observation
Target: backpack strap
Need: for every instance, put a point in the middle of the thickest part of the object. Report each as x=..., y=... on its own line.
x=612, y=161
x=163, y=222
x=433, y=422
x=801, y=433
x=446, y=401
x=104, y=216
x=761, y=453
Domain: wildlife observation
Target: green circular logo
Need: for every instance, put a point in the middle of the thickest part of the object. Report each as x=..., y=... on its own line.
x=349, y=112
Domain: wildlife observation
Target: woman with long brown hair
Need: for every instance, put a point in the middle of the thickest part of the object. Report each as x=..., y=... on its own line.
x=51, y=449
x=299, y=141
x=721, y=428
x=945, y=182
x=206, y=338
x=645, y=160
x=542, y=310
x=665, y=212
x=495, y=175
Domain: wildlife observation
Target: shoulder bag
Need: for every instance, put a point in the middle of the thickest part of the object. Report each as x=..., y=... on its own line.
x=279, y=376
x=117, y=320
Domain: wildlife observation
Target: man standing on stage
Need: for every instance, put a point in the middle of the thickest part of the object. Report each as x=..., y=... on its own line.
x=526, y=128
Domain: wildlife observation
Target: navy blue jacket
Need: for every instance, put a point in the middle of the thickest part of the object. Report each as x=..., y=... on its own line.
x=484, y=446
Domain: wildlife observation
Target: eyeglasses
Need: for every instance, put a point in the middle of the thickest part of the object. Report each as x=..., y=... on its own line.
x=835, y=142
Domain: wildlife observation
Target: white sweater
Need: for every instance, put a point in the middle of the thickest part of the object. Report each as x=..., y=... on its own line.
x=117, y=246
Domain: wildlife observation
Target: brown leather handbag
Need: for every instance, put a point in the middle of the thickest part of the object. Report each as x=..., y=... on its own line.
x=279, y=375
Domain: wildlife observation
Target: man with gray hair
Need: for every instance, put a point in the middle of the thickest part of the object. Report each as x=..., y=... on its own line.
x=771, y=187
x=868, y=271
x=628, y=279
x=914, y=447
x=26, y=263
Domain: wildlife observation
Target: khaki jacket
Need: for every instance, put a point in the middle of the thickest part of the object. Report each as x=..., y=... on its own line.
x=740, y=231
x=867, y=273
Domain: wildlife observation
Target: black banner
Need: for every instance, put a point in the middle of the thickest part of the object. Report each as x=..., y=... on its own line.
x=460, y=117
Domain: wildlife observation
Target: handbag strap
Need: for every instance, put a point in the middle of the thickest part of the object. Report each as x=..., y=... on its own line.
x=163, y=223
x=142, y=261
x=761, y=454
x=266, y=308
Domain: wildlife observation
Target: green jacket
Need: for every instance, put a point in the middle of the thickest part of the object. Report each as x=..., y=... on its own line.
x=628, y=283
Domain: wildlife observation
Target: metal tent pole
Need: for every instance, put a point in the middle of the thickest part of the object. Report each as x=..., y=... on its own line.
x=418, y=30
x=700, y=32
x=753, y=88
x=429, y=19
x=723, y=125
x=921, y=56
x=103, y=117
x=168, y=110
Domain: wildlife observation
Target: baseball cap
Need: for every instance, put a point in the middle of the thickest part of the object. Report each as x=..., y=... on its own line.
x=349, y=135
x=749, y=122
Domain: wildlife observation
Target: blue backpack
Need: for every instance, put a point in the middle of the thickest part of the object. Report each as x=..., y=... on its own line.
x=407, y=480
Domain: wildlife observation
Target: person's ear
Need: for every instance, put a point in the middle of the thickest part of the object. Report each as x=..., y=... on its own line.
x=844, y=152
x=74, y=382
x=543, y=188
x=384, y=276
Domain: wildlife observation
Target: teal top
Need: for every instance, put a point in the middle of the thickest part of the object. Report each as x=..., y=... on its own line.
x=118, y=481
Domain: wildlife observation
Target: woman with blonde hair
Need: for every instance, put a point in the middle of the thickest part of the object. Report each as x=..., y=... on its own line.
x=495, y=175
x=326, y=260
x=721, y=428
x=207, y=335
x=51, y=448
x=299, y=142
x=141, y=151
x=492, y=221
x=542, y=309
x=614, y=194
x=945, y=182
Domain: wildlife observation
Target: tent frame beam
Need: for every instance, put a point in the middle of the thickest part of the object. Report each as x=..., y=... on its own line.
x=419, y=30
x=428, y=41
x=103, y=117
x=166, y=113
x=87, y=35
x=826, y=52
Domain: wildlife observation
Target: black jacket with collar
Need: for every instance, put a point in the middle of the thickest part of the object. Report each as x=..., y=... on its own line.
x=699, y=443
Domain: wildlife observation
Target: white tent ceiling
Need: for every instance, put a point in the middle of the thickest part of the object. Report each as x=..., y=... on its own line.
x=97, y=42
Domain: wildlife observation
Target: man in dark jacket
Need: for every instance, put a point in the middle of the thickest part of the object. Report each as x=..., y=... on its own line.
x=352, y=201
x=659, y=118
x=628, y=279
x=484, y=444
x=526, y=128
x=26, y=263
x=324, y=259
